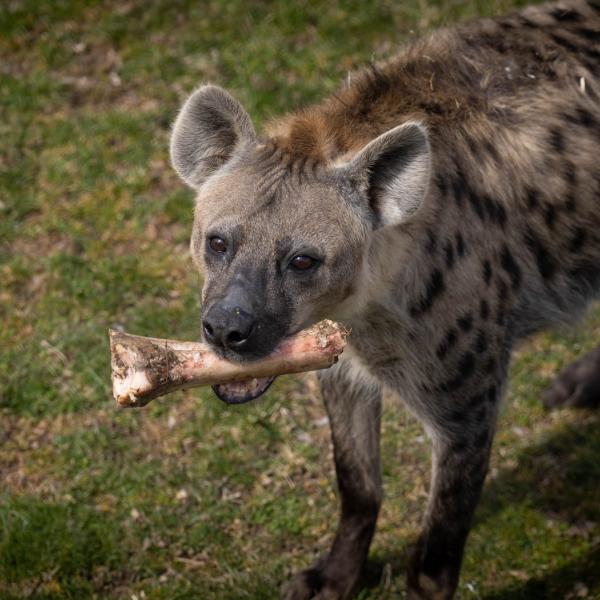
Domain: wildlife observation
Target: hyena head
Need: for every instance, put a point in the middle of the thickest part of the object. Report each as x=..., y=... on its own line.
x=281, y=240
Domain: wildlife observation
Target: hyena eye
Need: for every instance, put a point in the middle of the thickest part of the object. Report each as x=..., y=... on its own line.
x=218, y=245
x=302, y=262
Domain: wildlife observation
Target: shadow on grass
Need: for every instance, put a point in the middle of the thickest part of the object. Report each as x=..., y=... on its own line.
x=558, y=583
x=559, y=478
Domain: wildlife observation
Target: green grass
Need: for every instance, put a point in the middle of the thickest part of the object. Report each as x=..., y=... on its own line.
x=189, y=498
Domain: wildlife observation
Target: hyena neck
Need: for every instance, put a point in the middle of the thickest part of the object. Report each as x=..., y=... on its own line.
x=391, y=275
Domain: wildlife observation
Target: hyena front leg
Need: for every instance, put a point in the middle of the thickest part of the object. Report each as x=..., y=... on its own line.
x=354, y=409
x=461, y=442
x=577, y=385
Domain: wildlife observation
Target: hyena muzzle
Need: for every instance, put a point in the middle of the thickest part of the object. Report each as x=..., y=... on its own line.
x=443, y=204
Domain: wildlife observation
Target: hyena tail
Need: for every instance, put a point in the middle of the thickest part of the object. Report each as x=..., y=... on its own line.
x=578, y=385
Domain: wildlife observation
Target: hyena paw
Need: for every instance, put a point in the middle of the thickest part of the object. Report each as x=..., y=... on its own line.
x=315, y=584
x=578, y=385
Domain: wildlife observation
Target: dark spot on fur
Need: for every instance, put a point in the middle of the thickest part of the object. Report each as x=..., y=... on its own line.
x=448, y=342
x=458, y=415
x=557, y=140
x=578, y=239
x=587, y=277
x=495, y=211
x=591, y=35
x=509, y=264
x=481, y=344
x=449, y=253
x=583, y=117
x=502, y=290
x=473, y=147
x=314, y=580
x=570, y=173
x=491, y=394
x=465, y=369
x=565, y=43
x=431, y=243
x=459, y=446
x=527, y=22
x=550, y=215
x=570, y=204
x=546, y=263
x=490, y=366
x=442, y=186
x=440, y=553
x=475, y=401
x=484, y=309
x=586, y=55
x=458, y=188
x=466, y=322
x=593, y=54
x=435, y=287
x=549, y=72
x=566, y=14
x=475, y=203
x=586, y=118
x=533, y=198
x=480, y=413
x=460, y=244
x=502, y=302
x=481, y=440
x=503, y=293
x=487, y=271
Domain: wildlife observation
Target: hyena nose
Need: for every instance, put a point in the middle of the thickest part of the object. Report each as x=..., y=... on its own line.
x=228, y=327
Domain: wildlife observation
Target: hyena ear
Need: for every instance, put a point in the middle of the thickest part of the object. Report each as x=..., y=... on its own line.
x=211, y=125
x=393, y=172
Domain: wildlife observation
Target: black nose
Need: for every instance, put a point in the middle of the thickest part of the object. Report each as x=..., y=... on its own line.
x=228, y=326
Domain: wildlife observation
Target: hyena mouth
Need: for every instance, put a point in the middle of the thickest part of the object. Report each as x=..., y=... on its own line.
x=238, y=392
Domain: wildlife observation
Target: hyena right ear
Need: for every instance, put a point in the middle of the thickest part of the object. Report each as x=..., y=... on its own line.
x=392, y=172
x=211, y=125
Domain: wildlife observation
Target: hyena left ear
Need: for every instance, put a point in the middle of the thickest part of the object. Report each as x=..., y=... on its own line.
x=393, y=172
x=210, y=127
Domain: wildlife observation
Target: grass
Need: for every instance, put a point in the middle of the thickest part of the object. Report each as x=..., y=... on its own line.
x=189, y=498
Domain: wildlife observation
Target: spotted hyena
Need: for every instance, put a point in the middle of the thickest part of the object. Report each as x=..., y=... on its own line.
x=443, y=204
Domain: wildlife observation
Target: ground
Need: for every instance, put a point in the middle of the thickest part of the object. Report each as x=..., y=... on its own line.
x=189, y=498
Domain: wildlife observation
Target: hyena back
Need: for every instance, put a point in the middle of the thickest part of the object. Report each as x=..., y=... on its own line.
x=443, y=204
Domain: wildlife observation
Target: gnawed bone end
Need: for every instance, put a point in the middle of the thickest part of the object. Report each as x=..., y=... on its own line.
x=144, y=368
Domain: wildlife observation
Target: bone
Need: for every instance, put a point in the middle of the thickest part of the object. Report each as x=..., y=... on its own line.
x=144, y=368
